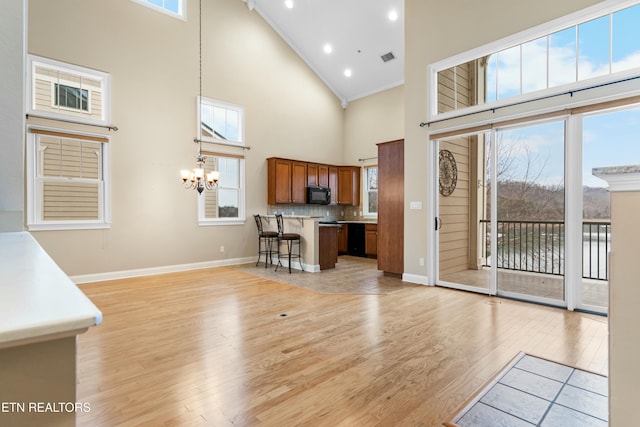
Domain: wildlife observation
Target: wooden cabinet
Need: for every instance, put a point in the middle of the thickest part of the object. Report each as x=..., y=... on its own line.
x=349, y=185
x=323, y=175
x=371, y=240
x=279, y=181
x=287, y=181
x=298, y=182
x=328, y=246
x=391, y=207
x=333, y=184
x=312, y=174
x=342, y=239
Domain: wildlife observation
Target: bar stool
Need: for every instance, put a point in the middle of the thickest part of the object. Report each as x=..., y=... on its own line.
x=265, y=241
x=290, y=239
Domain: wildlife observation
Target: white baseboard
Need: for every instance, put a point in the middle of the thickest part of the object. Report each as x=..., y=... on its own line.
x=125, y=274
x=415, y=278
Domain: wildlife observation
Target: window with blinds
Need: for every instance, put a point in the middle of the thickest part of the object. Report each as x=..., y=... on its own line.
x=222, y=124
x=67, y=182
x=224, y=201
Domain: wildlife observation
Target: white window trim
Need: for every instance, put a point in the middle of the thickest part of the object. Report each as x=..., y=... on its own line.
x=240, y=220
x=365, y=194
x=587, y=14
x=105, y=78
x=182, y=12
x=34, y=223
x=201, y=100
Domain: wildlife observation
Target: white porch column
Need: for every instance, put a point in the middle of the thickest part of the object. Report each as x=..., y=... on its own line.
x=624, y=293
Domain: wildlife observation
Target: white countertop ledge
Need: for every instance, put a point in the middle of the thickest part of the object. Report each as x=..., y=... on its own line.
x=38, y=301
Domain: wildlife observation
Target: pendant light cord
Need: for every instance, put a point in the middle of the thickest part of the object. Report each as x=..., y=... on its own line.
x=200, y=64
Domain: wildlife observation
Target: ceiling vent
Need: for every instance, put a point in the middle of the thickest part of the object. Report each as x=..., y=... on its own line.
x=388, y=57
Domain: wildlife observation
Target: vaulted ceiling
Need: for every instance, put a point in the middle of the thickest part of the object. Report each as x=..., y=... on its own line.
x=366, y=39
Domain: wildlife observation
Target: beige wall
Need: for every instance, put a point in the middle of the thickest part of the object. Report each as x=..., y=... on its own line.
x=371, y=120
x=153, y=62
x=427, y=24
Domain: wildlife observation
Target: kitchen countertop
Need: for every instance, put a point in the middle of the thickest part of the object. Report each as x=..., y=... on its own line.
x=355, y=221
x=38, y=301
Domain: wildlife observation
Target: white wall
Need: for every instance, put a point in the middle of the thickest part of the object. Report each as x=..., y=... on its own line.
x=153, y=62
x=11, y=118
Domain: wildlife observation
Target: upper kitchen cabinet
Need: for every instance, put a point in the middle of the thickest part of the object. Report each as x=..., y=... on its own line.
x=333, y=184
x=287, y=181
x=298, y=182
x=323, y=176
x=312, y=174
x=349, y=185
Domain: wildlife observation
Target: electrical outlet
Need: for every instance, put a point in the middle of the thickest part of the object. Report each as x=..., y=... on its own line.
x=421, y=261
x=221, y=248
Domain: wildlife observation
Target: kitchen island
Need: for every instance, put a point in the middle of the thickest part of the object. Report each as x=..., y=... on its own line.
x=320, y=239
x=41, y=312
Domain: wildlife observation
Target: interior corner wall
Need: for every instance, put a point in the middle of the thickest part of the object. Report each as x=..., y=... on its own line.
x=429, y=38
x=153, y=60
x=371, y=120
x=11, y=116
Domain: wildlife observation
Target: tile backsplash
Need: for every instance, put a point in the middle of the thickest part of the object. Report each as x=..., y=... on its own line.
x=329, y=212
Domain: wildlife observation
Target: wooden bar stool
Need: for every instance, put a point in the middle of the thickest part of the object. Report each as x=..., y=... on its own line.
x=265, y=242
x=290, y=239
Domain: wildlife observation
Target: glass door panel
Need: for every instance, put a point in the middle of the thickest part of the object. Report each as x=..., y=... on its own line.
x=530, y=212
x=609, y=139
x=462, y=207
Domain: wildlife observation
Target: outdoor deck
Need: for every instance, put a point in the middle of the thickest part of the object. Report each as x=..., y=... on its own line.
x=594, y=292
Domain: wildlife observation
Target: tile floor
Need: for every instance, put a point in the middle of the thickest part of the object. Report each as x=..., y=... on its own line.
x=537, y=392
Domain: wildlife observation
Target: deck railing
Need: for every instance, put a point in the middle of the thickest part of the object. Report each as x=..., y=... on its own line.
x=538, y=247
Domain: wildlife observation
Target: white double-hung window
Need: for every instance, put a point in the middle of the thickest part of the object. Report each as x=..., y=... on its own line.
x=221, y=128
x=67, y=170
x=67, y=183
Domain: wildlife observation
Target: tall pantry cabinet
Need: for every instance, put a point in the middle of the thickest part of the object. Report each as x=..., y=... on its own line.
x=391, y=207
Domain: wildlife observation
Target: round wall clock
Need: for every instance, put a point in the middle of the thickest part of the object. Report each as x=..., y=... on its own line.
x=448, y=173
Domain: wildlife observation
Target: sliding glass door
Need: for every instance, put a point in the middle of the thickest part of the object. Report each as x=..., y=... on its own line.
x=608, y=139
x=528, y=224
x=462, y=213
x=520, y=214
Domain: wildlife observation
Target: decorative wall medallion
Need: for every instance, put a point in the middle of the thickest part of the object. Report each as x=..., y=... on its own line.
x=448, y=173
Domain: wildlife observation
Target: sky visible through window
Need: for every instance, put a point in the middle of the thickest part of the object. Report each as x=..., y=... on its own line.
x=595, y=48
x=609, y=139
x=170, y=5
x=604, y=45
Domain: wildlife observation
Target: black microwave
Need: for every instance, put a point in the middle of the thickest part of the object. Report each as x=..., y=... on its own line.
x=318, y=195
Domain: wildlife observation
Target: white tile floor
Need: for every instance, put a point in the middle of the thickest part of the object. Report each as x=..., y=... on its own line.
x=537, y=392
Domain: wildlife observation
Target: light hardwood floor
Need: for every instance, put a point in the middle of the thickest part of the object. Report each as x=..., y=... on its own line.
x=212, y=347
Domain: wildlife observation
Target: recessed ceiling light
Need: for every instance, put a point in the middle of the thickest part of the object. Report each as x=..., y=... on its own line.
x=289, y=4
x=347, y=72
x=327, y=48
x=393, y=15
